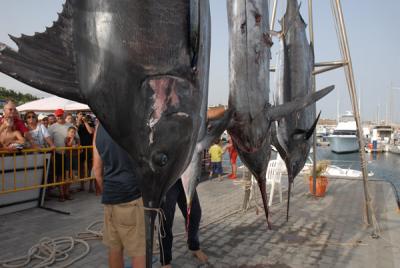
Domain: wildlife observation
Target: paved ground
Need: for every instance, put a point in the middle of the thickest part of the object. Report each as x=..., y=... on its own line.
x=323, y=232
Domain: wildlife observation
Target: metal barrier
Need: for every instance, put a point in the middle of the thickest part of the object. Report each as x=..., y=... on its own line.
x=30, y=169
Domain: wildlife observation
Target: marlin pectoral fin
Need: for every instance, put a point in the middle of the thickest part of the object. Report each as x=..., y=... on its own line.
x=215, y=129
x=194, y=31
x=312, y=128
x=277, y=141
x=277, y=112
x=45, y=60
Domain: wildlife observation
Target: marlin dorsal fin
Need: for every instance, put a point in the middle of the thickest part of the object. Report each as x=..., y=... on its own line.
x=45, y=60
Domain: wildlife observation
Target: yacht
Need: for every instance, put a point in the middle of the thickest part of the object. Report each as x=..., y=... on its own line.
x=344, y=137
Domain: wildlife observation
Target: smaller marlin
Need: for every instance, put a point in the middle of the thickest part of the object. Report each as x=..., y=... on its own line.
x=292, y=133
x=252, y=114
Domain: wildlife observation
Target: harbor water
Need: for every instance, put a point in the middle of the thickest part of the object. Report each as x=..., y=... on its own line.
x=385, y=166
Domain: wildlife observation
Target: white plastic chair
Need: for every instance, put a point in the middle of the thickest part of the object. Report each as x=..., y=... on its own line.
x=273, y=177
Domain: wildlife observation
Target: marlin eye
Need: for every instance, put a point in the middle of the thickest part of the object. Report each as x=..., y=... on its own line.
x=160, y=159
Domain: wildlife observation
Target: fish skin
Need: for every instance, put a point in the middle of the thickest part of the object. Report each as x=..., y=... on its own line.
x=252, y=114
x=249, y=55
x=140, y=66
x=293, y=132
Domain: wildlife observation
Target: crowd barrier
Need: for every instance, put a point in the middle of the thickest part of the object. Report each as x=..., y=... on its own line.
x=24, y=174
x=36, y=168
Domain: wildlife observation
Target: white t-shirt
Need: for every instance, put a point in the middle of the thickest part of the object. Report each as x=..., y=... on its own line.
x=39, y=134
x=59, y=132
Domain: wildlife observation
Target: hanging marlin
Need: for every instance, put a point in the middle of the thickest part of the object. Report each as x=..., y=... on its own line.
x=294, y=80
x=141, y=66
x=209, y=132
x=252, y=114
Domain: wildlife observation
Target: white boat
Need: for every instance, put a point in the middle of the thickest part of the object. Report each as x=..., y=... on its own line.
x=335, y=171
x=338, y=172
x=344, y=137
x=394, y=149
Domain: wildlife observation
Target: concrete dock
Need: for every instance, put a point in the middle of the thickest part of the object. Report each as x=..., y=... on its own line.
x=321, y=232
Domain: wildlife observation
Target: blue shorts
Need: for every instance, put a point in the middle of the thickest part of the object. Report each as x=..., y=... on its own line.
x=217, y=168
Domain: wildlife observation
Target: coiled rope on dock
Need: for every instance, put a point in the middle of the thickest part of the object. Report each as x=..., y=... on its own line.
x=49, y=251
x=92, y=233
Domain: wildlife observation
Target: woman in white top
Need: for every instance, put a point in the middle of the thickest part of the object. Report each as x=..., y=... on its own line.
x=40, y=136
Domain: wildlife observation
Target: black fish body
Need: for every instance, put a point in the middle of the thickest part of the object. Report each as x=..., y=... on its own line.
x=249, y=54
x=252, y=114
x=297, y=83
x=294, y=131
x=141, y=66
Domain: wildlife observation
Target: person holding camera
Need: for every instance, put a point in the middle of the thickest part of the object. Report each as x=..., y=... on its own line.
x=85, y=126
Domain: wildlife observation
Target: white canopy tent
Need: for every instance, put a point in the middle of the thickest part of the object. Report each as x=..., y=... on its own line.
x=51, y=104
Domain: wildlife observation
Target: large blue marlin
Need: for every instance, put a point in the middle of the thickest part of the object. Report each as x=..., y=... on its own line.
x=294, y=80
x=141, y=66
x=252, y=114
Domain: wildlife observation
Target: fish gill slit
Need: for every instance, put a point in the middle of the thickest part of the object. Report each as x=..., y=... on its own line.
x=243, y=27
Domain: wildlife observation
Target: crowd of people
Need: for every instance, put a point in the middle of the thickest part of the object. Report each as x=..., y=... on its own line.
x=58, y=129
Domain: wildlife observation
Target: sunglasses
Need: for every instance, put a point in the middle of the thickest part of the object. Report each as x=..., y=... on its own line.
x=31, y=116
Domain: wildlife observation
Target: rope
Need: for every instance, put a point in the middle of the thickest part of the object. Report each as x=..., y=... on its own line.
x=92, y=234
x=49, y=251
x=160, y=230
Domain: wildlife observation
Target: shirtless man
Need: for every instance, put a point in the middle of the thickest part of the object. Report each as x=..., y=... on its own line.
x=9, y=136
x=10, y=111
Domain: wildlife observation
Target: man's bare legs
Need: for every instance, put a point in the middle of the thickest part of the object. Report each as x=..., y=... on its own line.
x=139, y=262
x=115, y=258
x=234, y=170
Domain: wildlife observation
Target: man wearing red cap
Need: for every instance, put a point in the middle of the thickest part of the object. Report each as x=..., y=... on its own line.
x=58, y=131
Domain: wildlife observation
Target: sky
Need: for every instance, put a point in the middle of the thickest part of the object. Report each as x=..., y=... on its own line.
x=373, y=35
